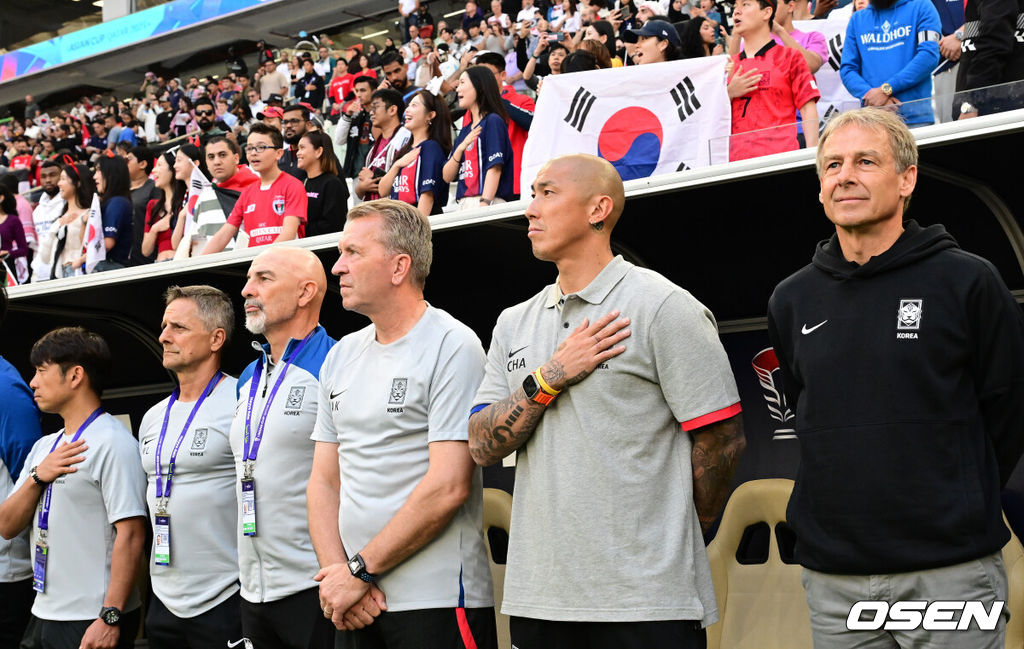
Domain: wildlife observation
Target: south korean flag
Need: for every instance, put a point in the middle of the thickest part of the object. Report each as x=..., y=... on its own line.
x=835, y=98
x=646, y=120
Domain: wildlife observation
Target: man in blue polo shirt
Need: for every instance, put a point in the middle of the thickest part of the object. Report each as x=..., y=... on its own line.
x=19, y=430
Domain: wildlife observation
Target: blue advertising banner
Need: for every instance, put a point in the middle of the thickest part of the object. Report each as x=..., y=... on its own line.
x=116, y=34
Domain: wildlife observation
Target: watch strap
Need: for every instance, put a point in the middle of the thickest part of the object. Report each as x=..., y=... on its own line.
x=35, y=477
x=544, y=384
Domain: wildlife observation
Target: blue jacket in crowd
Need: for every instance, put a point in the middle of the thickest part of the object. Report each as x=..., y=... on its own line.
x=899, y=46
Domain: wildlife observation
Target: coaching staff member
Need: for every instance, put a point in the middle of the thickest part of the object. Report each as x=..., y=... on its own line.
x=610, y=494
x=904, y=357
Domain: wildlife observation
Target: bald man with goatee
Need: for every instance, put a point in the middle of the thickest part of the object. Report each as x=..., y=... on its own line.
x=615, y=389
x=277, y=407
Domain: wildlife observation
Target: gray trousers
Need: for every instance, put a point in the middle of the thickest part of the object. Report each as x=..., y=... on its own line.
x=831, y=598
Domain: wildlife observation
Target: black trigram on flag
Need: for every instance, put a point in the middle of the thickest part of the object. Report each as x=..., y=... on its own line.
x=686, y=99
x=830, y=112
x=835, y=51
x=582, y=102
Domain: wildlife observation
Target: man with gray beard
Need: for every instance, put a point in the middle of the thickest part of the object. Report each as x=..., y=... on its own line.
x=276, y=410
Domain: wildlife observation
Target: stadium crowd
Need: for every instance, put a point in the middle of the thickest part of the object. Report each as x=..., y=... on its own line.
x=439, y=117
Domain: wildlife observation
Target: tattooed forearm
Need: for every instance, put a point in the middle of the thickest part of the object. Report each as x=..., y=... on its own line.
x=716, y=451
x=502, y=427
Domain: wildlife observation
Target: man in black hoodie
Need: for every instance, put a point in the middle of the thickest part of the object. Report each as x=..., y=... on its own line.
x=903, y=357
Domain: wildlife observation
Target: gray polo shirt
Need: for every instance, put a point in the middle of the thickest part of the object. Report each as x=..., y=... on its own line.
x=604, y=527
x=383, y=405
x=279, y=561
x=109, y=486
x=204, y=545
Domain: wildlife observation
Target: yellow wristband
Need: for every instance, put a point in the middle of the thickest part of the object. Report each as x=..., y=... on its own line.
x=544, y=384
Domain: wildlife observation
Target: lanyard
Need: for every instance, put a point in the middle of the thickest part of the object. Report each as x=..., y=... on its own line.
x=252, y=442
x=44, y=513
x=163, y=492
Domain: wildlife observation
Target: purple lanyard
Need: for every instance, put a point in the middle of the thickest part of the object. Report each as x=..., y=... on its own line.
x=161, y=490
x=44, y=513
x=252, y=442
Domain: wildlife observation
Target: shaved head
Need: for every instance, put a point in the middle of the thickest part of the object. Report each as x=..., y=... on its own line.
x=299, y=263
x=284, y=285
x=591, y=177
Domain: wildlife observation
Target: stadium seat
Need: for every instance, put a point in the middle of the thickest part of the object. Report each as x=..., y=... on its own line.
x=1013, y=559
x=498, y=513
x=760, y=605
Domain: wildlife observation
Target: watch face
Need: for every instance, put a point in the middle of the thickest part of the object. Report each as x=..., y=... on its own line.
x=353, y=566
x=111, y=616
x=530, y=386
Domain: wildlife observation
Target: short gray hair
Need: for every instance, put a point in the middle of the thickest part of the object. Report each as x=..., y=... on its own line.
x=214, y=306
x=406, y=231
x=901, y=140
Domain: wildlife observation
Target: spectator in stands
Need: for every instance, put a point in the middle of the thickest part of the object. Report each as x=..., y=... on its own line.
x=656, y=42
x=417, y=175
x=354, y=126
x=32, y=109
x=206, y=114
x=326, y=193
x=23, y=210
x=277, y=213
x=271, y=116
x=270, y=81
x=993, y=53
x=811, y=45
x=224, y=114
x=325, y=63
x=312, y=86
x=46, y=214
x=386, y=110
x=570, y=21
x=143, y=190
x=519, y=108
x=603, y=32
x=294, y=124
x=216, y=201
x=767, y=85
x=482, y=159
x=533, y=73
x=163, y=211
x=12, y=235
x=114, y=187
x=474, y=14
x=64, y=254
x=98, y=140
x=698, y=39
x=889, y=53
x=253, y=101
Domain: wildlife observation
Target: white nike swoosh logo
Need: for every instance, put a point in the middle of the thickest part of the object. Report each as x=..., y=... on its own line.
x=806, y=330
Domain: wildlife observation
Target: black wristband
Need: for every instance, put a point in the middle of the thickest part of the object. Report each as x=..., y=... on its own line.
x=35, y=477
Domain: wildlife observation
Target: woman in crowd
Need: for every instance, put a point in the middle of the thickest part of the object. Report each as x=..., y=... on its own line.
x=570, y=21
x=604, y=32
x=698, y=39
x=366, y=66
x=162, y=212
x=295, y=73
x=654, y=49
x=373, y=58
x=12, y=233
x=63, y=254
x=597, y=50
x=326, y=193
x=417, y=176
x=113, y=183
x=389, y=46
x=413, y=54
x=186, y=159
x=533, y=73
x=482, y=158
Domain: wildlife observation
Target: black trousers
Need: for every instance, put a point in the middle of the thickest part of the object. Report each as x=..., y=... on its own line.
x=68, y=635
x=295, y=622
x=432, y=628
x=528, y=633
x=210, y=630
x=15, y=610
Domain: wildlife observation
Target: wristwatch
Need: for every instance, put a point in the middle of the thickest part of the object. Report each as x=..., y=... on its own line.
x=111, y=615
x=35, y=477
x=887, y=89
x=357, y=567
x=967, y=107
x=537, y=389
x=959, y=35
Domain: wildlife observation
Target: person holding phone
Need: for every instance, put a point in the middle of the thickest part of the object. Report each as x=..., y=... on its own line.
x=534, y=72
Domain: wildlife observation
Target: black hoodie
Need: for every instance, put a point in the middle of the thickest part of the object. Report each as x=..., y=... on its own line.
x=907, y=378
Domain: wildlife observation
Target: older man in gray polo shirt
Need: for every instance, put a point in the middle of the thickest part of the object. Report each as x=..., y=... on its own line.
x=590, y=380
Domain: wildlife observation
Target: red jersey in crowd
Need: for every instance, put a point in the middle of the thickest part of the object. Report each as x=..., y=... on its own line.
x=262, y=211
x=516, y=133
x=786, y=84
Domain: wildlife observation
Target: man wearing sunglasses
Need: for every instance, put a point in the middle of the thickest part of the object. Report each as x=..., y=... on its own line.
x=206, y=118
x=272, y=210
